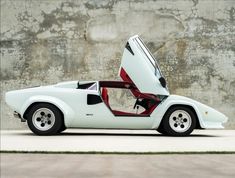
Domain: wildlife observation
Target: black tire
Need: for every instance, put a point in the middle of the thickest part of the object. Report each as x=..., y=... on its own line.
x=55, y=126
x=62, y=128
x=161, y=131
x=169, y=117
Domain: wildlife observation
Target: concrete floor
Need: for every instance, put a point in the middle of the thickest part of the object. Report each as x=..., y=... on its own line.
x=116, y=166
x=87, y=140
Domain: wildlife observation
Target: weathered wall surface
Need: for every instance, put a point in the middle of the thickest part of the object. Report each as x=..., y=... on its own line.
x=47, y=41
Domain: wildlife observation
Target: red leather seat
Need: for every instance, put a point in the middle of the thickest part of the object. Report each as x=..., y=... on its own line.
x=105, y=96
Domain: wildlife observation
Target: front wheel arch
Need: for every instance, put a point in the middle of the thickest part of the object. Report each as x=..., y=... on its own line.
x=198, y=126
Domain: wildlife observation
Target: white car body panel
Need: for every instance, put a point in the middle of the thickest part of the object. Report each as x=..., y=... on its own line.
x=207, y=116
x=71, y=102
x=78, y=114
x=140, y=69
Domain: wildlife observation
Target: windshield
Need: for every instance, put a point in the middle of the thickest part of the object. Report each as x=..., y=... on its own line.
x=145, y=52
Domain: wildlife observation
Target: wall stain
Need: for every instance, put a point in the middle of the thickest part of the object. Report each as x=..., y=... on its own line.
x=232, y=14
x=105, y=4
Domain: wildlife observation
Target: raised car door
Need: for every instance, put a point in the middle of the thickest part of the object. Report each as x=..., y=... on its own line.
x=140, y=67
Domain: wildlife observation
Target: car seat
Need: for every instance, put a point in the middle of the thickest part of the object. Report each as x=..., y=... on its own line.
x=105, y=96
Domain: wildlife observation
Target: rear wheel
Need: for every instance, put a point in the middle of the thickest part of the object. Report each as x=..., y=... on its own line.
x=179, y=121
x=45, y=119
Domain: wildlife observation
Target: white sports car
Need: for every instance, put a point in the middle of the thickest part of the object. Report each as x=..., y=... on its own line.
x=85, y=104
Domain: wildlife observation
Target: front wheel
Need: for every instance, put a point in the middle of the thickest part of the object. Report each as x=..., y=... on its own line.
x=44, y=119
x=179, y=121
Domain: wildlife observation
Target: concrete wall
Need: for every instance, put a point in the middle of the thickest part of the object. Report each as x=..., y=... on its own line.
x=47, y=41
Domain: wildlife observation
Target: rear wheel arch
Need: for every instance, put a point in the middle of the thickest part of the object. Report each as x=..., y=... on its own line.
x=36, y=103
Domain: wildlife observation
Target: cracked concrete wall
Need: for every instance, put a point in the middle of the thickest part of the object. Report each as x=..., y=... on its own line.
x=47, y=41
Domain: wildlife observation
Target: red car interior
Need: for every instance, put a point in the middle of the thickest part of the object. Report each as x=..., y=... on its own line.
x=105, y=96
x=128, y=84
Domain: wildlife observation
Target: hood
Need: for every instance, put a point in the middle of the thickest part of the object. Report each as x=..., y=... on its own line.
x=140, y=67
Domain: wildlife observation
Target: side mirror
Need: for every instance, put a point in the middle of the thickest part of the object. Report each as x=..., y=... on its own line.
x=93, y=99
x=163, y=81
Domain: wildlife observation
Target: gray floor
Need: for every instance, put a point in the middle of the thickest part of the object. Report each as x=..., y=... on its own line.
x=93, y=140
x=116, y=166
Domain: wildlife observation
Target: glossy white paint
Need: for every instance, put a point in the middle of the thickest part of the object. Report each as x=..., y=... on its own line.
x=73, y=103
x=140, y=68
x=207, y=116
x=78, y=114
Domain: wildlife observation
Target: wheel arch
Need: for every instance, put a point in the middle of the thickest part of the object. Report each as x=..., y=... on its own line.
x=65, y=109
x=198, y=125
x=35, y=103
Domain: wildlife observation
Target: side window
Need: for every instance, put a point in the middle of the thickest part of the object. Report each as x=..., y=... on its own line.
x=93, y=87
x=93, y=99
